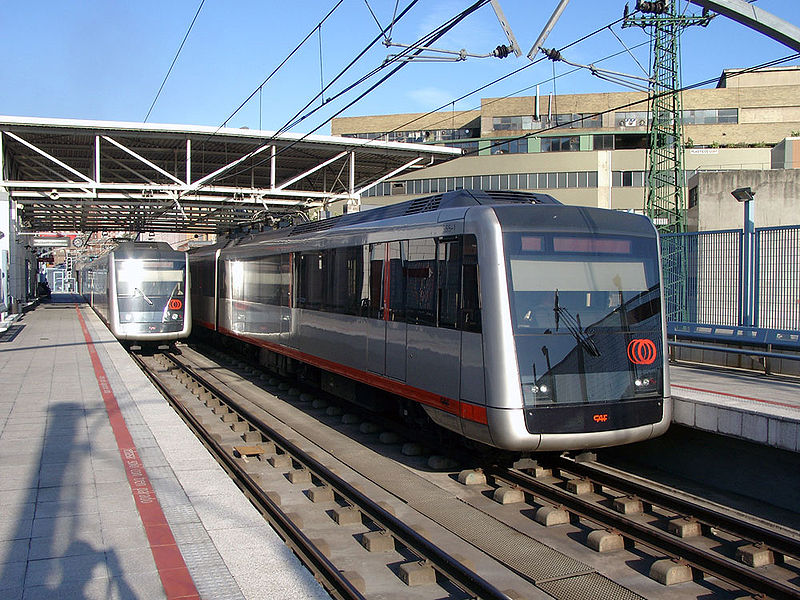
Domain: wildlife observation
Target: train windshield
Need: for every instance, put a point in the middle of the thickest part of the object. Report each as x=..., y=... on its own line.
x=586, y=314
x=150, y=290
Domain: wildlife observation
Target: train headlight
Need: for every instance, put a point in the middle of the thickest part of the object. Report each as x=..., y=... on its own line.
x=536, y=389
x=174, y=317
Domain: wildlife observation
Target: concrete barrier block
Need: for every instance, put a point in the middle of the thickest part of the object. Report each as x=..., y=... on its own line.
x=579, y=487
x=601, y=540
x=508, y=495
x=320, y=494
x=347, y=515
x=377, y=541
x=755, y=556
x=684, y=528
x=299, y=476
x=280, y=461
x=628, y=505
x=472, y=477
x=417, y=573
x=668, y=572
x=550, y=516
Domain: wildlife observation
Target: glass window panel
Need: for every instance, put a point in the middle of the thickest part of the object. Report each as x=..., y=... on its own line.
x=592, y=179
x=572, y=180
x=513, y=181
x=459, y=183
x=583, y=179
x=503, y=182
x=450, y=184
x=485, y=184
x=471, y=308
x=562, y=180
x=552, y=180
x=616, y=178
x=420, y=274
x=449, y=284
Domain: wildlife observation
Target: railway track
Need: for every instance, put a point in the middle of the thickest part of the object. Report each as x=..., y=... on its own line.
x=695, y=539
x=248, y=447
x=283, y=478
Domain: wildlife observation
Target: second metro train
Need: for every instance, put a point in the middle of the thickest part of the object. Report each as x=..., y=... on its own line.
x=139, y=290
x=508, y=318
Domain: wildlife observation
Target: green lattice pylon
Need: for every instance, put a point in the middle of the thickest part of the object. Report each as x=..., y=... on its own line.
x=665, y=200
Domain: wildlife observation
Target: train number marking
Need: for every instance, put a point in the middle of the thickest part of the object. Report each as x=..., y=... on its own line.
x=600, y=418
x=642, y=352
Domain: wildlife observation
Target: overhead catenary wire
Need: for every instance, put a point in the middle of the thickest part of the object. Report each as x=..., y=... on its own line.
x=174, y=60
x=430, y=37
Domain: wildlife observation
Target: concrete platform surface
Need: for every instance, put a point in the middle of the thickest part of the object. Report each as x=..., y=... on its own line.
x=71, y=525
x=754, y=407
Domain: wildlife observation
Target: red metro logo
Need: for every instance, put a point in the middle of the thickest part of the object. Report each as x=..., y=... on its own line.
x=642, y=352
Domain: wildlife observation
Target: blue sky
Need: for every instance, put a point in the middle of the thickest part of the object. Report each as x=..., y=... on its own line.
x=90, y=59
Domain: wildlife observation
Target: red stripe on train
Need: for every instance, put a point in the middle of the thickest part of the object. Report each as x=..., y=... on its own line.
x=462, y=409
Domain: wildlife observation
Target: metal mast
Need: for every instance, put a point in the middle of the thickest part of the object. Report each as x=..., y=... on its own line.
x=665, y=202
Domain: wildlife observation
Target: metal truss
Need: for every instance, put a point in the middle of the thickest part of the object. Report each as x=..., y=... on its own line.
x=69, y=175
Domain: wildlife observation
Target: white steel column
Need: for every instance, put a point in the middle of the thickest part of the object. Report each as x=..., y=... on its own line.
x=188, y=162
x=272, y=162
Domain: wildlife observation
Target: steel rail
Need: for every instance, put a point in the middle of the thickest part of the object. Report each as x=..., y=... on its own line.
x=713, y=564
x=455, y=571
x=753, y=532
x=336, y=584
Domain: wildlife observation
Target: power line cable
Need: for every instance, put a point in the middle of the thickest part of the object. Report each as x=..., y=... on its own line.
x=414, y=49
x=174, y=60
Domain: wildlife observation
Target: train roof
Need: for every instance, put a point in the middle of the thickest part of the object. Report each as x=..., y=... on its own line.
x=144, y=250
x=456, y=199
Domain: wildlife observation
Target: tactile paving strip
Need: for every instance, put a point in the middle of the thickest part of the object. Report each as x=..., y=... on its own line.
x=593, y=586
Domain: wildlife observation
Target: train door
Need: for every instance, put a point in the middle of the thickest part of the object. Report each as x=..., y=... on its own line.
x=386, y=327
x=431, y=305
x=376, y=324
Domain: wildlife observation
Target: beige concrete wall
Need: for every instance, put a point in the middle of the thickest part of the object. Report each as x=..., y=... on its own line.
x=777, y=198
x=405, y=122
x=774, y=76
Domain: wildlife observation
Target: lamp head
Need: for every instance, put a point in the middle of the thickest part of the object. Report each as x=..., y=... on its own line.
x=743, y=194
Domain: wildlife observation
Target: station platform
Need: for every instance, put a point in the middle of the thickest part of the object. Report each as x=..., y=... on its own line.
x=105, y=492
x=760, y=409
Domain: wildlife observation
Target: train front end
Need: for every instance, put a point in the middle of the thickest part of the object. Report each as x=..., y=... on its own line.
x=581, y=347
x=150, y=293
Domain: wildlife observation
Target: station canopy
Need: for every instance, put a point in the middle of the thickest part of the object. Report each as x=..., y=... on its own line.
x=74, y=175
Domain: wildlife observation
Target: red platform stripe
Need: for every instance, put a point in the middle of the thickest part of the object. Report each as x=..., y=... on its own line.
x=751, y=399
x=171, y=567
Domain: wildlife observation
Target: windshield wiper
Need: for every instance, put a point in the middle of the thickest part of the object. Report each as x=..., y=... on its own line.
x=143, y=295
x=573, y=324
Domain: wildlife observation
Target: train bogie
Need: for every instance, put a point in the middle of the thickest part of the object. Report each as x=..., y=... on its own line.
x=508, y=319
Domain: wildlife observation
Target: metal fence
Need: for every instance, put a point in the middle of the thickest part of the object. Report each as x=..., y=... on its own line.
x=704, y=281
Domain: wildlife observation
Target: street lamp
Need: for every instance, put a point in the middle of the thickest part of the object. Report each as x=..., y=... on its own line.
x=746, y=195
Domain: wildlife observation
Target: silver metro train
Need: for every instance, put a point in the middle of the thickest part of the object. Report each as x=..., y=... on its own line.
x=139, y=291
x=507, y=317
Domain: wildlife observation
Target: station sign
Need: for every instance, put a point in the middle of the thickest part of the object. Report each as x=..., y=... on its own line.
x=51, y=242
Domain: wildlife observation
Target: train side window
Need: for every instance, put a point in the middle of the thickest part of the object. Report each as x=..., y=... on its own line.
x=397, y=281
x=420, y=275
x=311, y=285
x=471, y=297
x=449, y=289
x=343, y=266
x=377, y=252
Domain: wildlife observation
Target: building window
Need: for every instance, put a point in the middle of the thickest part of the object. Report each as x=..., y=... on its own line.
x=710, y=116
x=520, y=123
x=632, y=119
x=511, y=147
x=693, y=193
x=627, y=178
x=603, y=142
x=561, y=144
